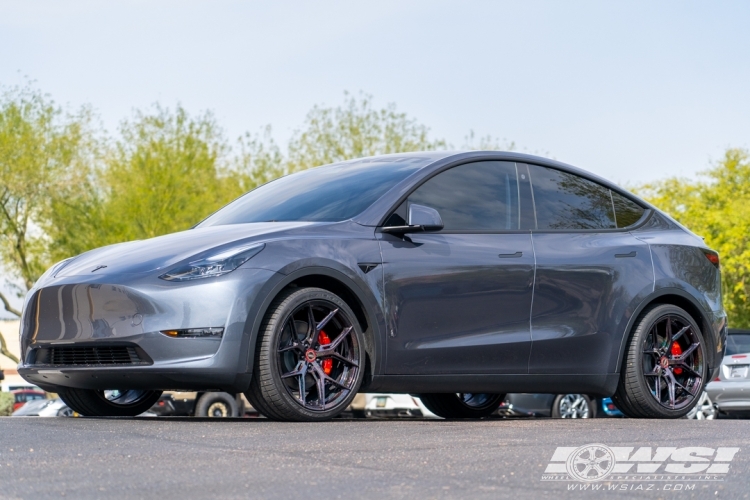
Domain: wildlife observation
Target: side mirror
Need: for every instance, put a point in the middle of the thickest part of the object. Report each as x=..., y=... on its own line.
x=421, y=218
x=428, y=219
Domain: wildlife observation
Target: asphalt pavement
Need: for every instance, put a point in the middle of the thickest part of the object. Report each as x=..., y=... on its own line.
x=185, y=458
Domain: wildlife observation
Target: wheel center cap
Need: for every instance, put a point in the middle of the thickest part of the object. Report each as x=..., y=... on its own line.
x=310, y=355
x=664, y=362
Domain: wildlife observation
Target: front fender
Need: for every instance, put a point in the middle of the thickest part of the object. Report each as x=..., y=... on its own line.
x=366, y=289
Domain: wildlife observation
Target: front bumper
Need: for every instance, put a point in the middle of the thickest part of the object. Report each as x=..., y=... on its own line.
x=130, y=311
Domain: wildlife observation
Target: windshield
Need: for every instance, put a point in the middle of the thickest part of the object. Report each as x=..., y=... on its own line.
x=738, y=343
x=331, y=193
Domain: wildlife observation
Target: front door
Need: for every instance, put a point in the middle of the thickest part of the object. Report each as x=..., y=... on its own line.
x=458, y=300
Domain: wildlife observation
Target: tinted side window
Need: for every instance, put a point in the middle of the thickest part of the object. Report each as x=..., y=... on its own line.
x=567, y=201
x=627, y=212
x=476, y=196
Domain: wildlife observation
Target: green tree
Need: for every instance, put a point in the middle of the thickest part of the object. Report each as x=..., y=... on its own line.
x=717, y=207
x=354, y=130
x=43, y=151
x=166, y=172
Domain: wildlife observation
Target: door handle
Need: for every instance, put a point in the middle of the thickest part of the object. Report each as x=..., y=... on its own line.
x=623, y=255
x=510, y=255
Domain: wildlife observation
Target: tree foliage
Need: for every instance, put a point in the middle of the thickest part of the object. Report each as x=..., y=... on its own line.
x=717, y=207
x=165, y=173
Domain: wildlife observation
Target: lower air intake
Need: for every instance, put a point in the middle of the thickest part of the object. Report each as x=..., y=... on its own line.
x=90, y=356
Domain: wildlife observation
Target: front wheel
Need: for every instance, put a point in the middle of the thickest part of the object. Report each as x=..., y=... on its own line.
x=462, y=405
x=664, y=370
x=110, y=403
x=310, y=358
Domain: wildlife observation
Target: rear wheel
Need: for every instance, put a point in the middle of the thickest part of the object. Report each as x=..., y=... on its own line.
x=109, y=403
x=573, y=406
x=462, y=405
x=310, y=357
x=664, y=370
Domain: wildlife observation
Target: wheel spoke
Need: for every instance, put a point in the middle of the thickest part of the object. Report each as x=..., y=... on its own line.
x=680, y=333
x=325, y=378
x=292, y=345
x=310, y=337
x=688, y=352
x=298, y=370
x=301, y=384
x=327, y=353
x=688, y=368
x=657, y=386
x=338, y=340
x=669, y=333
x=684, y=389
x=670, y=387
x=325, y=320
x=320, y=384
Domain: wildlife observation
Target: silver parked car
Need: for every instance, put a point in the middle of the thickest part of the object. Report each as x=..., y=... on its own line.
x=730, y=390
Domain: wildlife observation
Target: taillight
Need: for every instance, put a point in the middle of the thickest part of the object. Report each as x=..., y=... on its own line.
x=712, y=257
x=717, y=379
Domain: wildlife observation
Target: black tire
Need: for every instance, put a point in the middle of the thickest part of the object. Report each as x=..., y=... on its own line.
x=216, y=405
x=123, y=403
x=463, y=405
x=636, y=394
x=283, y=349
x=573, y=406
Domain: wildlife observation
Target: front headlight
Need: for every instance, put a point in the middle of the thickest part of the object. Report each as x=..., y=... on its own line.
x=214, y=265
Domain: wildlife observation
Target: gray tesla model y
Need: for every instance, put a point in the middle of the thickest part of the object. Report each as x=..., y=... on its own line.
x=455, y=276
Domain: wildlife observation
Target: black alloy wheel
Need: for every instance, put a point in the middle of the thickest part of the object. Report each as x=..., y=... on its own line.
x=664, y=371
x=462, y=405
x=109, y=403
x=310, y=359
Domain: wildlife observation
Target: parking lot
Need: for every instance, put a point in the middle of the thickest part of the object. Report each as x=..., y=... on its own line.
x=257, y=458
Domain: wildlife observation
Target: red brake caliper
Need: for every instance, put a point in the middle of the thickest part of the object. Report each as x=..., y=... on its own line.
x=327, y=364
x=676, y=351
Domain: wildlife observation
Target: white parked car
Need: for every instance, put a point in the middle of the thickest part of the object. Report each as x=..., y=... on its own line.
x=44, y=408
x=395, y=405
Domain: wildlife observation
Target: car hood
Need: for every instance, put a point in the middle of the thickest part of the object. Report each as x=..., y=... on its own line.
x=143, y=256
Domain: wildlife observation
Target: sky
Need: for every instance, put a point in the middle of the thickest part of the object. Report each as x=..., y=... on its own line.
x=633, y=91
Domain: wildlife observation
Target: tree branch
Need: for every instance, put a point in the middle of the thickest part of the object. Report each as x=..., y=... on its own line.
x=4, y=350
x=11, y=310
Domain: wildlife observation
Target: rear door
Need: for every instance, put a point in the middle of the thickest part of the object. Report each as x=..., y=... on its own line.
x=589, y=268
